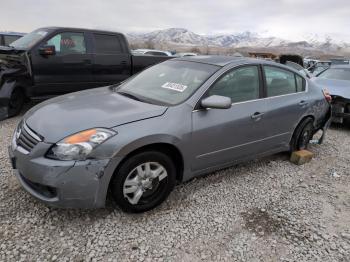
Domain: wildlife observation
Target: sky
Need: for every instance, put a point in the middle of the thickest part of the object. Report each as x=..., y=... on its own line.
x=287, y=19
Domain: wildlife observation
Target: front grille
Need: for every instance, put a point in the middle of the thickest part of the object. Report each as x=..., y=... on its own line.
x=27, y=139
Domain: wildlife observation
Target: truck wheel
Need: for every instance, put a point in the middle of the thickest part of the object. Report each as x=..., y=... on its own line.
x=143, y=181
x=302, y=135
x=16, y=102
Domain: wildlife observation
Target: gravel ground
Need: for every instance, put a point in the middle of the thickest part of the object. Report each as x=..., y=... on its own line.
x=264, y=210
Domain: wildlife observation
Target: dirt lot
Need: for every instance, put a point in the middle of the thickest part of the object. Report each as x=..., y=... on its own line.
x=264, y=210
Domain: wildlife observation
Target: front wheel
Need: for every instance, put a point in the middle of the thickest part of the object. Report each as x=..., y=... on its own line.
x=16, y=102
x=143, y=181
x=302, y=135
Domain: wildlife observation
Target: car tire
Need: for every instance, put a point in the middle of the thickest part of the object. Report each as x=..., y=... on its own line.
x=16, y=102
x=133, y=179
x=302, y=135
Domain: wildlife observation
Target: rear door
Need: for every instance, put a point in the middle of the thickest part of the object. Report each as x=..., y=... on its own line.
x=112, y=62
x=221, y=136
x=287, y=103
x=66, y=71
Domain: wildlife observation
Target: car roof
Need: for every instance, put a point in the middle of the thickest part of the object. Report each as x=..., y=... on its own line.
x=78, y=29
x=146, y=50
x=12, y=33
x=224, y=60
x=152, y=50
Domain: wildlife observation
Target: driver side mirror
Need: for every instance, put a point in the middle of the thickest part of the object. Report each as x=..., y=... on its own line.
x=47, y=50
x=217, y=102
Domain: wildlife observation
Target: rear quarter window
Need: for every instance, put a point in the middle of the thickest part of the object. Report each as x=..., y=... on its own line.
x=301, y=83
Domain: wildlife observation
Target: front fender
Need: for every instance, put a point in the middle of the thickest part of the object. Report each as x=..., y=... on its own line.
x=146, y=141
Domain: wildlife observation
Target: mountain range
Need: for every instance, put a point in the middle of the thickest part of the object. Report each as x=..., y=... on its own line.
x=184, y=37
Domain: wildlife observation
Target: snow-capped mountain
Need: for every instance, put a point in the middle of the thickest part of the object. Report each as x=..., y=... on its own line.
x=171, y=35
x=245, y=39
x=184, y=37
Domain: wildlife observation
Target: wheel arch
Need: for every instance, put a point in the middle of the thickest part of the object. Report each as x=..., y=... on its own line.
x=299, y=124
x=165, y=147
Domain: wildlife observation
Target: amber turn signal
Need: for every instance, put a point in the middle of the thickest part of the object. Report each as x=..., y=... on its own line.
x=80, y=137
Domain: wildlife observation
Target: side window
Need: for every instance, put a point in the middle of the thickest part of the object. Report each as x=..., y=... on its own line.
x=68, y=43
x=300, y=83
x=279, y=81
x=107, y=44
x=240, y=85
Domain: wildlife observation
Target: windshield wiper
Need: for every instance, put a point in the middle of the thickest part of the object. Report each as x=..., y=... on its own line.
x=129, y=96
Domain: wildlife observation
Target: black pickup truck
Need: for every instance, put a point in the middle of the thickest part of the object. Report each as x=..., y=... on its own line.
x=52, y=61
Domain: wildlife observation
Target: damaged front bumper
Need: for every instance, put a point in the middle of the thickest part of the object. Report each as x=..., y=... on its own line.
x=65, y=184
x=340, y=109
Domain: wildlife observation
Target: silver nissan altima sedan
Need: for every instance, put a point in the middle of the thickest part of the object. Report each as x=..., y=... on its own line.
x=172, y=122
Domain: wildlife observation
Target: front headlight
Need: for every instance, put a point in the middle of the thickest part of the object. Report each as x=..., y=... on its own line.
x=80, y=145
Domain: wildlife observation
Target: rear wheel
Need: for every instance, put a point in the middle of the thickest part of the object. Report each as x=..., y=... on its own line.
x=143, y=181
x=302, y=135
x=16, y=102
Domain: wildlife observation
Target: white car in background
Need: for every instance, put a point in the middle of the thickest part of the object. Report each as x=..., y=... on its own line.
x=186, y=54
x=151, y=52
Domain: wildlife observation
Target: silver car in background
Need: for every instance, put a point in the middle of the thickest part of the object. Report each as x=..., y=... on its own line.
x=172, y=122
x=336, y=80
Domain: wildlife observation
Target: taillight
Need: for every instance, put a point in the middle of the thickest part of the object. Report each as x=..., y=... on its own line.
x=327, y=95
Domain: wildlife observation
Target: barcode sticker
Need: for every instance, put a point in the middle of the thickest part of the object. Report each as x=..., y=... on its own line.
x=175, y=86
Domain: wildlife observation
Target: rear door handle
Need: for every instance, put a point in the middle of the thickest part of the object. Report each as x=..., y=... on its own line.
x=303, y=103
x=123, y=63
x=257, y=116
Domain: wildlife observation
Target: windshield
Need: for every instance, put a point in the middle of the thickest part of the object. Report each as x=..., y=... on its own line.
x=336, y=73
x=168, y=83
x=29, y=40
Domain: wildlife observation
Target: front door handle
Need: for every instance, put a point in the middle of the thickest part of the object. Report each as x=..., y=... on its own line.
x=123, y=62
x=257, y=116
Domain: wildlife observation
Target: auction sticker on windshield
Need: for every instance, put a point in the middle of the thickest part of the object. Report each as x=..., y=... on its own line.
x=175, y=86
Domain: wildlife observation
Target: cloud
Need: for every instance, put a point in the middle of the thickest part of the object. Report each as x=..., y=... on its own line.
x=290, y=19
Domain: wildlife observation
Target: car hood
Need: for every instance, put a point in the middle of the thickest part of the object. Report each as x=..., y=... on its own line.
x=65, y=115
x=335, y=87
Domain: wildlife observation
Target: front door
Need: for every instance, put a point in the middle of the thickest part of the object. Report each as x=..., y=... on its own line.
x=66, y=71
x=222, y=136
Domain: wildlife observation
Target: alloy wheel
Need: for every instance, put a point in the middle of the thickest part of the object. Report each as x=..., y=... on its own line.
x=143, y=182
